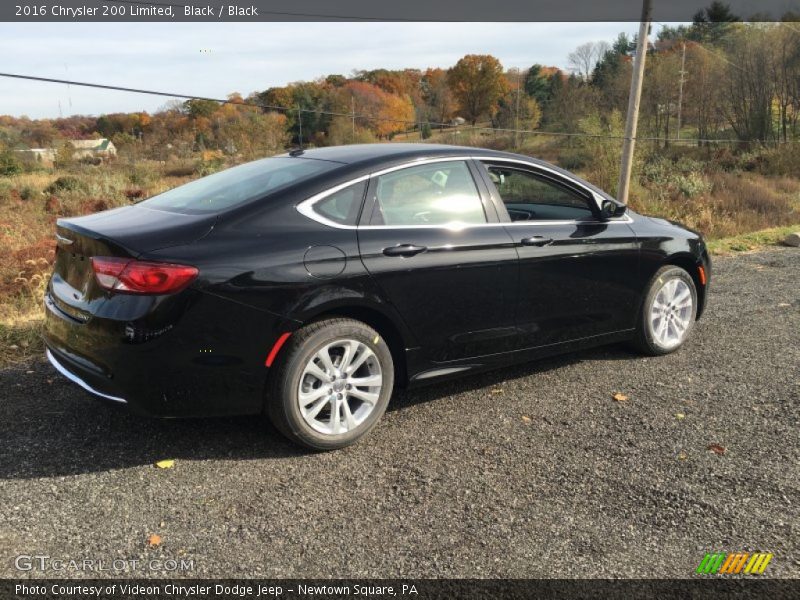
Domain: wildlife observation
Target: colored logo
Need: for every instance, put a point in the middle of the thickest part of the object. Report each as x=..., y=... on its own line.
x=722, y=563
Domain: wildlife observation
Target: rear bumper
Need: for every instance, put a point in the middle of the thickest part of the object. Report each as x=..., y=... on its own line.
x=188, y=357
x=74, y=377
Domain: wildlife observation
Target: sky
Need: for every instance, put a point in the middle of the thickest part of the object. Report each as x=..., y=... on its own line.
x=215, y=59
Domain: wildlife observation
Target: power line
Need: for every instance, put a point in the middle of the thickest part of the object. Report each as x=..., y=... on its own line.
x=350, y=115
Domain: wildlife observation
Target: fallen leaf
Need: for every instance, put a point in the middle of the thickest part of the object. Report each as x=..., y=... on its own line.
x=620, y=397
x=526, y=419
x=166, y=464
x=154, y=540
x=680, y=415
x=717, y=449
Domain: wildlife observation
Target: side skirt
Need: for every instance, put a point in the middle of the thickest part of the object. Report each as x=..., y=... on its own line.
x=425, y=372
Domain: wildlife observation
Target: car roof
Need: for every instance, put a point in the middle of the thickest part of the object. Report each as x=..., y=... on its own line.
x=365, y=157
x=391, y=152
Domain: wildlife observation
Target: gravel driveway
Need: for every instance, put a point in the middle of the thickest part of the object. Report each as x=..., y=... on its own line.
x=533, y=471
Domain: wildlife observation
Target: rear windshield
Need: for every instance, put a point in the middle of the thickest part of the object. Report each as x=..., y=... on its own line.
x=238, y=185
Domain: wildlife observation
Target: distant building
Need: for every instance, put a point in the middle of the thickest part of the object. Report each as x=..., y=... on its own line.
x=45, y=156
x=101, y=148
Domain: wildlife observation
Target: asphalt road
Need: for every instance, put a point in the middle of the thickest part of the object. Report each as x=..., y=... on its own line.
x=533, y=471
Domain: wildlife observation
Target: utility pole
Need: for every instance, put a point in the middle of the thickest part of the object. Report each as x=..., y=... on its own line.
x=634, y=98
x=516, y=123
x=300, y=125
x=353, y=112
x=680, y=89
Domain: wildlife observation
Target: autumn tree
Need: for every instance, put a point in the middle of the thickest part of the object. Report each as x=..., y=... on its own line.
x=517, y=111
x=200, y=109
x=304, y=103
x=477, y=84
x=436, y=94
x=379, y=111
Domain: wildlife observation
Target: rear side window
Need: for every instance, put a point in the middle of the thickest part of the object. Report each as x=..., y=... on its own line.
x=343, y=206
x=434, y=194
x=238, y=185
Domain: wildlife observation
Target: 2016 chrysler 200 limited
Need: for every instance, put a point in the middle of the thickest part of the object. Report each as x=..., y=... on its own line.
x=308, y=285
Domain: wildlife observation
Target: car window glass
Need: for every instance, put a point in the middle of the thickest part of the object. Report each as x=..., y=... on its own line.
x=434, y=194
x=528, y=197
x=238, y=185
x=342, y=206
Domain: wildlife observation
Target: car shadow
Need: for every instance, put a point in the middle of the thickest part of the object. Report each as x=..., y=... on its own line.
x=76, y=434
x=404, y=399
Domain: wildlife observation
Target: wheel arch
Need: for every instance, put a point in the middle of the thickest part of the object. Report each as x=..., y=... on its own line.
x=690, y=264
x=392, y=332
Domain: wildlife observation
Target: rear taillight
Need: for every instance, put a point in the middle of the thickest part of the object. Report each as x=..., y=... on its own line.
x=130, y=276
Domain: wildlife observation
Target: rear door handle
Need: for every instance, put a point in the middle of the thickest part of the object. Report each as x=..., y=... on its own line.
x=404, y=250
x=537, y=240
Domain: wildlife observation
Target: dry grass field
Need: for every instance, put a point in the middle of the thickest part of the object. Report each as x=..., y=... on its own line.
x=730, y=198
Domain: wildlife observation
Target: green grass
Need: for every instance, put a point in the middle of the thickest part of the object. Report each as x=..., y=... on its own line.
x=747, y=242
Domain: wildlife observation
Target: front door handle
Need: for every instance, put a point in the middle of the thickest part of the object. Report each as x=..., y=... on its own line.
x=537, y=240
x=404, y=250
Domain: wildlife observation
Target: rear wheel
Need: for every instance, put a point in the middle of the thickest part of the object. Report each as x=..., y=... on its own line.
x=668, y=312
x=333, y=384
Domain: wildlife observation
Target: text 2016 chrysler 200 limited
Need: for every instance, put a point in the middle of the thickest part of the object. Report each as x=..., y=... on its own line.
x=307, y=285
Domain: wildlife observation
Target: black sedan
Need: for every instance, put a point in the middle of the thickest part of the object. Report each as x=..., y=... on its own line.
x=306, y=286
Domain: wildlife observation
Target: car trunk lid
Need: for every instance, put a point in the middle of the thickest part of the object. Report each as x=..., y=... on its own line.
x=125, y=232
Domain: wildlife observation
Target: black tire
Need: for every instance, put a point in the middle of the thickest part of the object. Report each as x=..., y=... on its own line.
x=645, y=341
x=282, y=405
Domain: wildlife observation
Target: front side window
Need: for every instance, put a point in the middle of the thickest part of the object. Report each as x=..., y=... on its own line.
x=441, y=193
x=529, y=197
x=238, y=185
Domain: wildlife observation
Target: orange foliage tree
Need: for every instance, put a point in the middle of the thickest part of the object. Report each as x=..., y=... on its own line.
x=384, y=113
x=477, y=83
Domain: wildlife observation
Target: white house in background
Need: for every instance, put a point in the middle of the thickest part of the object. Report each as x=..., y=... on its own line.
x=98, y=148
x=45, y=156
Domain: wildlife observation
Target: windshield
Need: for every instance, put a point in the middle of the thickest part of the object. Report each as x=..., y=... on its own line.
x=235, y=186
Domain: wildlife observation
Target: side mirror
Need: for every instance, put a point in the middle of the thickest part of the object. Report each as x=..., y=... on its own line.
x=609, y=209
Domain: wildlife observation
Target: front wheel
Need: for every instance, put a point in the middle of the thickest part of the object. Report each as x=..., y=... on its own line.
x=333, y=384
x=668, y=312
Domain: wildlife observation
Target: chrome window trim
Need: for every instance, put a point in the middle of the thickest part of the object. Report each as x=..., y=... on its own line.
x=306, y=207
x=75, y=379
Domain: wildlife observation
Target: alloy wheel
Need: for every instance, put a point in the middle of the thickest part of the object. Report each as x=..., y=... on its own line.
x=340, y=386
x=671, y=313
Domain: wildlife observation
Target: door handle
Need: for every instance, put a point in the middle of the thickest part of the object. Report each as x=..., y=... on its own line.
x=404, y=250
x=537, y=240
